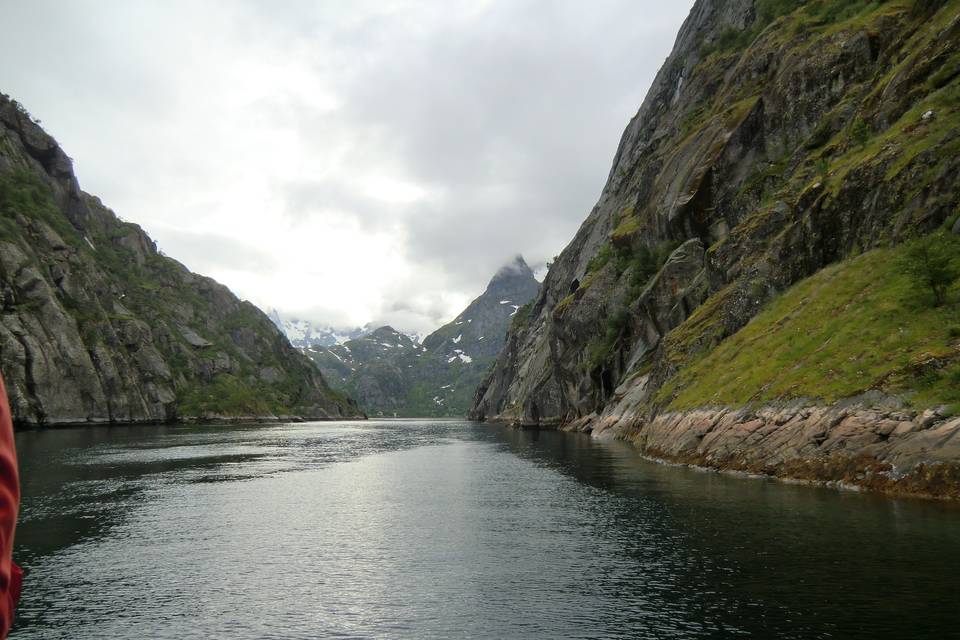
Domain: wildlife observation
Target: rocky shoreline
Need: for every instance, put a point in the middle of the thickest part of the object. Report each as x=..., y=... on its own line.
x=888, y=450
x=740, y=194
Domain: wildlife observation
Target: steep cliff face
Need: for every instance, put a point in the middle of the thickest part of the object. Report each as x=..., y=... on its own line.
x=388, y=373
x=779, y=137
x=97, y=326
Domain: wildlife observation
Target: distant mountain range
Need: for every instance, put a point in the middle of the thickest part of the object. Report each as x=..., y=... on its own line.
x=391, y=373
x=304, y=333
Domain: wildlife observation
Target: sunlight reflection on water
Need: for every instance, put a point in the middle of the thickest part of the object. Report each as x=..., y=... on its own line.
x=439, y=529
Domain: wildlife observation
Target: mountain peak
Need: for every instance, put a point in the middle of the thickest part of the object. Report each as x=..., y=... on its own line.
x=385, y=330
x=393, y=373
x=517, y=268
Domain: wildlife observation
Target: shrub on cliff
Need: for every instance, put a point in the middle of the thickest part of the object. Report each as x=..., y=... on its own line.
x=932, y=263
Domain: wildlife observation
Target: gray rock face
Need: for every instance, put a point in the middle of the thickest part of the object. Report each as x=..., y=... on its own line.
x=390, y=374
x=97, y=326
x=716, y=135
x=193, y=338
x=758, y=164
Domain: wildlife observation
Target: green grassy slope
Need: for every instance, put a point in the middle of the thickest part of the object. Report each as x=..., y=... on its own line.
x=854, y=326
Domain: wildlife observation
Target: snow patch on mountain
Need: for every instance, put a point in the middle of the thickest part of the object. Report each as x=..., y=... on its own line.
x=304, y=333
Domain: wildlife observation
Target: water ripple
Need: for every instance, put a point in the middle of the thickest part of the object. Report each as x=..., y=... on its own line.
x=436, y=529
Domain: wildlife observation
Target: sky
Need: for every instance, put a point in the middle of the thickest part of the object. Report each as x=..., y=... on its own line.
x=343, y=162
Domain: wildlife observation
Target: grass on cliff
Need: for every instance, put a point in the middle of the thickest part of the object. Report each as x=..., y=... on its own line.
x=815, y=13
x=858, y=325
x=21, y=192
x=228, y=395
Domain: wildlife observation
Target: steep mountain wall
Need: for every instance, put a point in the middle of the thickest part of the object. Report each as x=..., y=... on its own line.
x=97, y=326
x=390, y=374
x=778, y=138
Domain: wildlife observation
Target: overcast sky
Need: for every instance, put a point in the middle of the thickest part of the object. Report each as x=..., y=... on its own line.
x=344, y=162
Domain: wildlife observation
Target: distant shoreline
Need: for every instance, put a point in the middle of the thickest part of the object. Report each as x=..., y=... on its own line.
x=186, y=421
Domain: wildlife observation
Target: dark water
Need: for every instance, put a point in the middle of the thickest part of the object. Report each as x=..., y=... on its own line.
x=439, y=529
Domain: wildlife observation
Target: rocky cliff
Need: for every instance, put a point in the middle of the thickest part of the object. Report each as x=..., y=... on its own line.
x=97, y=326
x=390, y=374
x=778, y=138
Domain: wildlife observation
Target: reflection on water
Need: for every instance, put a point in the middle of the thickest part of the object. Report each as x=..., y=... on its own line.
x=439, y=529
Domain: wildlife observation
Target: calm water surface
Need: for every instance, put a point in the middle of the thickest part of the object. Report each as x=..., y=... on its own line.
x=439, y=529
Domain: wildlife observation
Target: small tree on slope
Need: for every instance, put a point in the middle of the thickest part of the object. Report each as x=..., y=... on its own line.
x=932, y=262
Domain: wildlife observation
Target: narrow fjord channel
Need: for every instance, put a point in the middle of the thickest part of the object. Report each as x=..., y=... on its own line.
x=446, y=529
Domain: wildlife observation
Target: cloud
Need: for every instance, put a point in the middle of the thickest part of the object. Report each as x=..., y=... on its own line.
x=344, y=162
x=212, y=251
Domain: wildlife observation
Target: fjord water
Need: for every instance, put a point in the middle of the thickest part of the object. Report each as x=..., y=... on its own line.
x=447, y=529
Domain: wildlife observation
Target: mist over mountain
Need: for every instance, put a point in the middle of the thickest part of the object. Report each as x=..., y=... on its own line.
x=390, y=373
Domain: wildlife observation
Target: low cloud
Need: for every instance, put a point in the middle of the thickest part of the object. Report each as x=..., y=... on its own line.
x=344, y=162
x=208, y=252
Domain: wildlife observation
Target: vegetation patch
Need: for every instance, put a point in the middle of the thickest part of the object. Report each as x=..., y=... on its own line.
x=645, y=263
x=563, y=305
x=704, y=327
x=854, y=326
x=769, y=11
x=600, y=349
x=626, y=230
x=931, y=262
x=521, y=319
x=22, y=192
x=228, y=395
x=600, y=260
